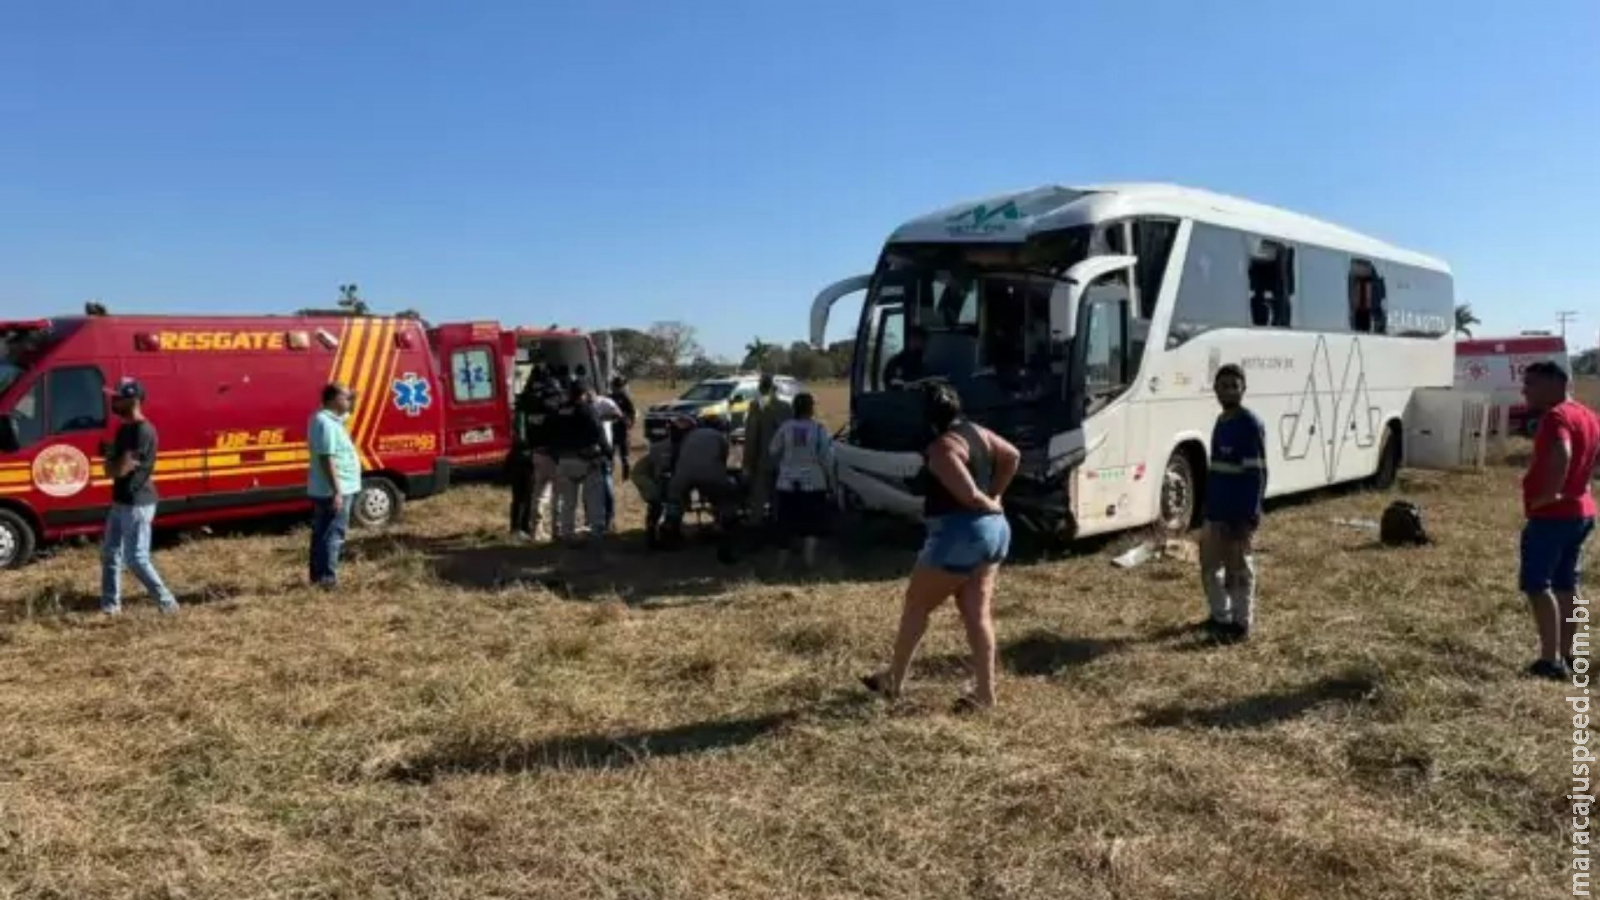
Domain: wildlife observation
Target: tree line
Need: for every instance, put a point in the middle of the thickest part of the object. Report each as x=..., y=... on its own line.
x=671, y=351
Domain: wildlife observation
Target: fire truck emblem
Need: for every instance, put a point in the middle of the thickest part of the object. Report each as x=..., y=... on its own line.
x=61, y=470
x=412, y=395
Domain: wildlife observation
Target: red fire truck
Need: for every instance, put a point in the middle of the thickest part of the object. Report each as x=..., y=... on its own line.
x=484, y=367
x=231, y=398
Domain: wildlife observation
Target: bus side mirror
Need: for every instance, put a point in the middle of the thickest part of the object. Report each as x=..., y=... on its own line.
x=1064, y=297
x=9, y=441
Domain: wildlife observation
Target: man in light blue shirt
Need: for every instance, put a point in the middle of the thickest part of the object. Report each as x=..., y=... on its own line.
x=335, y=479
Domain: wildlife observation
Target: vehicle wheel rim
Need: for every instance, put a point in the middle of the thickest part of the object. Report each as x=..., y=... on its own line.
x=8, y=545
x=375, y=505
x=1175, y=497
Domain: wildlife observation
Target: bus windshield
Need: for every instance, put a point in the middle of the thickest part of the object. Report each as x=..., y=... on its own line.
x=965, y=311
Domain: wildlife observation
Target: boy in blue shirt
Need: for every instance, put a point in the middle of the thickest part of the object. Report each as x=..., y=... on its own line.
x=1235, y=487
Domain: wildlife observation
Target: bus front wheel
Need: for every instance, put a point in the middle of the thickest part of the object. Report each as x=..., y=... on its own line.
x=1179, y=494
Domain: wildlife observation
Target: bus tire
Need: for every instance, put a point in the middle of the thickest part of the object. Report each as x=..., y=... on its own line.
x=1180, y=493
x=17, y=540
x=1388, y=470
x=378, y=504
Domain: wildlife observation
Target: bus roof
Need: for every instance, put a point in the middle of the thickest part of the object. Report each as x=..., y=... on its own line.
x=1015, y=216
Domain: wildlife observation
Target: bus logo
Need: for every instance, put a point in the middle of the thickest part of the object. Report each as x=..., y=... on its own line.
x=61, y=470
x=981, y=219
x=1349, y=413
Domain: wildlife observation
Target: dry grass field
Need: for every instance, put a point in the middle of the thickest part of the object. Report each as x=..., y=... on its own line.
x=471, y=719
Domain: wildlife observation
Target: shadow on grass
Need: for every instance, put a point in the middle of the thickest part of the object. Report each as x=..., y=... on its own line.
x=1265, y=709
x=1038, y=654
x=52, y=601
x=585, y=752
x=622, y=567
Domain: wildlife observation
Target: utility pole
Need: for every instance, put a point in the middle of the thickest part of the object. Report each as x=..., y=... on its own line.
x=1565, y=316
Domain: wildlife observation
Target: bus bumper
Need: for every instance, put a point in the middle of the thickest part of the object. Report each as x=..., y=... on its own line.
x=874, y=481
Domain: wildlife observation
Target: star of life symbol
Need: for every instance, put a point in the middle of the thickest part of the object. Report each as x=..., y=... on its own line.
x=412, y=395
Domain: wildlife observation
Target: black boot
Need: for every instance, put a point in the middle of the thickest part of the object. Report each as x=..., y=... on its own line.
x=652, y=525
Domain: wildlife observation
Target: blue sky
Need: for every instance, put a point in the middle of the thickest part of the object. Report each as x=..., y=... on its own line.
x=607, y=164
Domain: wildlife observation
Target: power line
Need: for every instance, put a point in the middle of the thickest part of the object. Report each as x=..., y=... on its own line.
x=1565, y=316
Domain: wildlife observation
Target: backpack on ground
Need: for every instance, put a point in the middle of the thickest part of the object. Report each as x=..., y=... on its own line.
x=1401, y=525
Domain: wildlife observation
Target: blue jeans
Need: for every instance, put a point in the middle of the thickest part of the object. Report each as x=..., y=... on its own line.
x=328, y=529
x=127, y=542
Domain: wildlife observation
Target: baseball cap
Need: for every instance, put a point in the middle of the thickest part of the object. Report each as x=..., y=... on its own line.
x=128, y=389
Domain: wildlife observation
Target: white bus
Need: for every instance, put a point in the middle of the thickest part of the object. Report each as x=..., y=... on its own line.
x=1086, y=324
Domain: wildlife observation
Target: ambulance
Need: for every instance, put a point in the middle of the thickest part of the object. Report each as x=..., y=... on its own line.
x=230, y=398
x=484, y=366
x=1494, y=366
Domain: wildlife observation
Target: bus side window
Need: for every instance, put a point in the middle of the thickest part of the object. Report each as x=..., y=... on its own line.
x=1271, y=285
x=1368, y=299
x=1115, y=238
x=1152, y=243
x=1215, y=289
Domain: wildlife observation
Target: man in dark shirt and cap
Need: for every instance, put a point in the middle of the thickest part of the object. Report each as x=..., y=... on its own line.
x=130, y=465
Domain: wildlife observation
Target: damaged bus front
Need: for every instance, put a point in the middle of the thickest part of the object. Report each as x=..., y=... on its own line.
x=1015, y=322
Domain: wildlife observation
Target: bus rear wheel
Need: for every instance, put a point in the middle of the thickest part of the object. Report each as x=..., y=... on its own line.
x=377, y=505
x=1179, y=494
x=17, y=540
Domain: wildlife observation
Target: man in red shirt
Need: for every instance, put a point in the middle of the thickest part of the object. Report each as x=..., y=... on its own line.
x=1560, y=510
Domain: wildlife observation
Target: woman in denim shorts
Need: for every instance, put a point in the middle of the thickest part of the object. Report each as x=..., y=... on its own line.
x=966, y=473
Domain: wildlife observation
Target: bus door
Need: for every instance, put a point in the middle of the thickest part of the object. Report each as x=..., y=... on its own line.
x=1102, y=370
